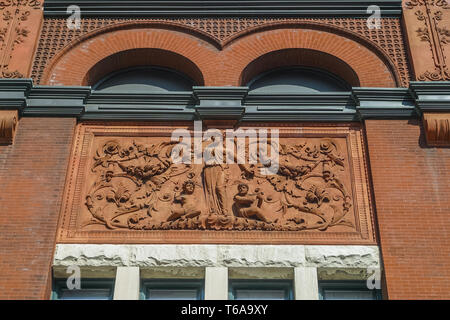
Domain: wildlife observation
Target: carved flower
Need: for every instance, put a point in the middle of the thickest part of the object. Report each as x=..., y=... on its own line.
x=119, y=196
x=111, y=147
x=317, y=195
x=126, y=151
x=326, y=146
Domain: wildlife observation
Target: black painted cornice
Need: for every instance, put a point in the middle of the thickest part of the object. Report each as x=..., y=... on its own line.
x=384, y=103
x=236, y=103
x=431, y=96
x=206, y=8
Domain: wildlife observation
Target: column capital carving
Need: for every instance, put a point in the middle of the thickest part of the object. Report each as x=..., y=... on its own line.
x=8, y=124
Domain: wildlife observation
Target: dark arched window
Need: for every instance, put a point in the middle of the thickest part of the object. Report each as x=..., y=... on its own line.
x=145, y=80
x=297, y=80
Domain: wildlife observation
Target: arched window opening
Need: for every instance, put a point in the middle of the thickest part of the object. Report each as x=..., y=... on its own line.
x=297, y=80
x=148, y=79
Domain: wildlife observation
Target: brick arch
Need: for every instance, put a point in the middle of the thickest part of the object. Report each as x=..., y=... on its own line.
x=76, y=64
x=143, y=57
x=366, y=64
x=299, y=57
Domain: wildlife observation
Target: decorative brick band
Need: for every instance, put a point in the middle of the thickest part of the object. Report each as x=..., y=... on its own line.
x=221, y=48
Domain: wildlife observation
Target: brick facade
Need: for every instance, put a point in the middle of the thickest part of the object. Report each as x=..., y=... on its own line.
x=411, y=182
x=32, y=174
x=409, y=179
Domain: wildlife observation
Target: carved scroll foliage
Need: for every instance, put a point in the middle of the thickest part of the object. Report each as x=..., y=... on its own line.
x=429, y=12
x=12, y=33
x=135, y=185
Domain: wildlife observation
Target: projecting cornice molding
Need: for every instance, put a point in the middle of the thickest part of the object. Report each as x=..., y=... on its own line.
x=186, y=8
x=232, y=103
x=431, y=96
x=56, y=101
x=384, y=103
x=13, y=93
x=433, y=103
x=220, y=102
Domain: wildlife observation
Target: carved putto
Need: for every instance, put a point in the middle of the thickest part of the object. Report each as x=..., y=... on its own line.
x=134, y=184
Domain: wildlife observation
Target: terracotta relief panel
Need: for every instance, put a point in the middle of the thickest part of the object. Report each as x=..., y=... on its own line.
x=124, y=187
x=427, y=23
x=20, y=22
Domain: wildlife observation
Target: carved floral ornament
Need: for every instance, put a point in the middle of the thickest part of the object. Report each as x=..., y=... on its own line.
x=430, y=13
x=14, y=13
x=131, y=184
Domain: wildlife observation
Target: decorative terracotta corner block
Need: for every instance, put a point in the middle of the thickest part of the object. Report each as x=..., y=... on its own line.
x=437, y=129
x=426, y=23
x=124, y=187
x=8, y=124
x=19, y=31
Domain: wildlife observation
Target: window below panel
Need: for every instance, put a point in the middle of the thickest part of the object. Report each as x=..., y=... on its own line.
x=91, y=289
x=347, y=290
x=260, y=290
x=179, y=289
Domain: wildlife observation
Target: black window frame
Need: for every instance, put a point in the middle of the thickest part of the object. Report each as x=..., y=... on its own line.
x=261, y=284
x=358, y=285
x=198, y=284
x=86, y=283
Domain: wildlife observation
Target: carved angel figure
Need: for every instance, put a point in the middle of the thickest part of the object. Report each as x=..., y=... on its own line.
x=189, y=205
x=248, y=205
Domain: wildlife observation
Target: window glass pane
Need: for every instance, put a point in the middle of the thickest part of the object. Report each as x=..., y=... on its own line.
x=144, y=80
x=172, y=294
x=172, y=289
x=251, y=294
x=85, y=294
x=348, y=295
x=299, y=80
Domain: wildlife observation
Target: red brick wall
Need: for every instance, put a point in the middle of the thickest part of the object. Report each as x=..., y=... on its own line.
x=78, y=63
x=411, y=185
x=32, y=174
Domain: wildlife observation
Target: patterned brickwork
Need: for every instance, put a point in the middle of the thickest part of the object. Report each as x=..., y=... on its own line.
x=222, y=33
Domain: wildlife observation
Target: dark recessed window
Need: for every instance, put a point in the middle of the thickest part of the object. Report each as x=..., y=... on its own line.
x=171, y=289
x=347, y=290
x=297, y=80
x=91, y=289
x=144, y=80
x=260, y=290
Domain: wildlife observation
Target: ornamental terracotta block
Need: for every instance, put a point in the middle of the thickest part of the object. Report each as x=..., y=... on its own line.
x=428, y=34
x=8, y=124
x=124, y=187
x=437, y=129
x=20, y=22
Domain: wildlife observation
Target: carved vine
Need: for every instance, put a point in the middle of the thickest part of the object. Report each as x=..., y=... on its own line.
x=138, y=187
x=12, y=33
x=437, y=36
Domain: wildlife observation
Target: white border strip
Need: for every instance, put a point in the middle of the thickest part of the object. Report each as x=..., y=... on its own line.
x=95, y=255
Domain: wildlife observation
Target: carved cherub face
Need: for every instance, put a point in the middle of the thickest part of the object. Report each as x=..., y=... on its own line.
x=188, y=187
x=243, y=189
